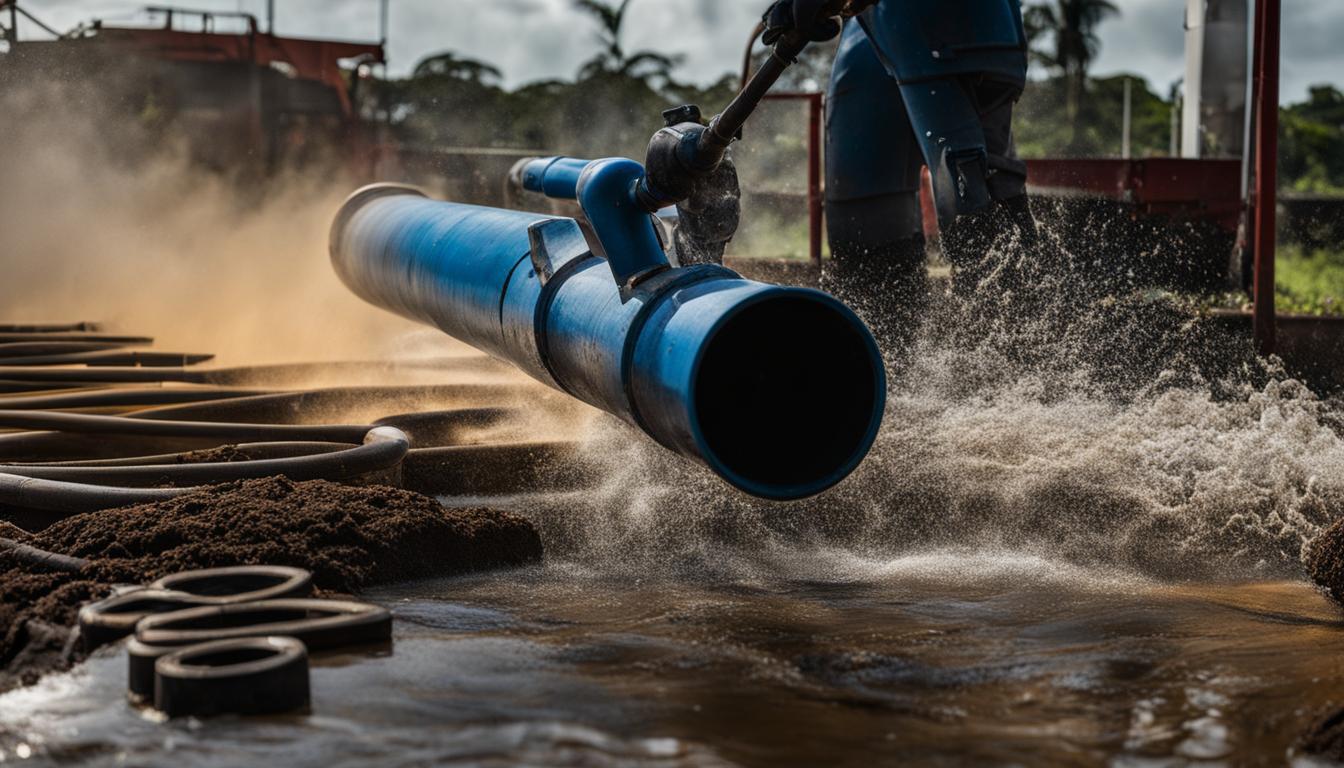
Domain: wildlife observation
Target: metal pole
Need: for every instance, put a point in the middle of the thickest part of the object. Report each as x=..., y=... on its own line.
x=1174, y=148
x=270, y=17
x=1192, y=118
x=1248, y=111
x=814, y=201
x=382, y=25
x=13, y=22
x=1128, y=120
x=1266, y=170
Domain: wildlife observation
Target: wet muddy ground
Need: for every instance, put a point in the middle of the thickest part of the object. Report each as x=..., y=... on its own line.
x=939, y=658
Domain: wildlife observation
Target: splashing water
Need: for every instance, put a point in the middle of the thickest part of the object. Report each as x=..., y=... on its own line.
x=1124, y=434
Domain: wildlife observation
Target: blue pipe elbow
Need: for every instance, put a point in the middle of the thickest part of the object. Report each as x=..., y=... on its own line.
x=606, y=191
x=780, y=391
x=625, y=233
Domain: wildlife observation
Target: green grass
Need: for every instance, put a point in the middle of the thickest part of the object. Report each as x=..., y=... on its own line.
x=768, y=234
x=1305, y=283
x=1309, y=283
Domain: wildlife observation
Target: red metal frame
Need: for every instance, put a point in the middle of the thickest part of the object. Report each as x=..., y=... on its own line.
x=1263, y=210
x=311, y=59
x=816, y=110
x=1209, y=190
x=815, y=210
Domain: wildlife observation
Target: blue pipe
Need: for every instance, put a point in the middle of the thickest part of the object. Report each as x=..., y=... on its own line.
x=779, y=390
x=556, y=177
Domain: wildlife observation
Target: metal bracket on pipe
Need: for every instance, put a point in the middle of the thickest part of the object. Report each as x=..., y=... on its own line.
x=605, y=189
x=555, y=242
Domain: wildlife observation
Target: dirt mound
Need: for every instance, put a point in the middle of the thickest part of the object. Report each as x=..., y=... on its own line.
x=347, y=537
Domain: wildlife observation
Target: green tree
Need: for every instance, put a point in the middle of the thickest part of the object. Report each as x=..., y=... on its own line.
x=649, y=66
x=1311, y=142
x=1073, y=26
x=439, y=102
x=449, y=64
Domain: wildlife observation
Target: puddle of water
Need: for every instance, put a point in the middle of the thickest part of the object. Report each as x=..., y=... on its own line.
x=563, y=666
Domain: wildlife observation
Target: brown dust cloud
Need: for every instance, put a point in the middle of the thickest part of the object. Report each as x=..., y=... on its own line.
x=100, y=222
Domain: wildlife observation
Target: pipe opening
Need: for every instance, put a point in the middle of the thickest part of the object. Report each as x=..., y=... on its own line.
x=789, y=394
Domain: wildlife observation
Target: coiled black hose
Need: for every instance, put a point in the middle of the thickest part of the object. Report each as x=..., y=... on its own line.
x=381, y=448
x=101, y=474
x=300, y=452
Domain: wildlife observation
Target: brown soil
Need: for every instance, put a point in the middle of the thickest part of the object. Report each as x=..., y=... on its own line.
x=1325, y=737
x=223, y=453
x=1325, y=560
x=348, y=537
x=10, y=531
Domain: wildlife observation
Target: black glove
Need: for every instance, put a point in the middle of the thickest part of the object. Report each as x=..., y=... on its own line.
x=815, y=20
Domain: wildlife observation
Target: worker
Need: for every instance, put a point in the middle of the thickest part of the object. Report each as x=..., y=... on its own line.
x=916, y=83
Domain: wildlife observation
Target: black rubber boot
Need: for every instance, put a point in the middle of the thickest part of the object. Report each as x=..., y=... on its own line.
x=887, y=286
x=993, y=250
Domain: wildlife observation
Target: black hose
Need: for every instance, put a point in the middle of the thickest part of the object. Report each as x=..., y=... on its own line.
x=120, y=425
x=9, y=336
x=12, y=387
x=39, y=376
x=120, y=398
x=50, y=327
x=280, y=450
x=113, y=357
x=74, y=498
x=382, y=448
x=72, y=490
x=264, y=375
x=40, y=557
x=295, y=406
x=26, y=348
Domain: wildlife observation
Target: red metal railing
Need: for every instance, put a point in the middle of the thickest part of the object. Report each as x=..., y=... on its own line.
x=816, y=108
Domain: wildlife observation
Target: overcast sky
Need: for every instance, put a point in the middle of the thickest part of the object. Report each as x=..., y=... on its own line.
x=537, y=39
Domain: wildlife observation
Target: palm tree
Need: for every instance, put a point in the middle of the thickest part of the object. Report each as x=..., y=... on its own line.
x=613, y=60
x=449, y=64
x=1074, y=25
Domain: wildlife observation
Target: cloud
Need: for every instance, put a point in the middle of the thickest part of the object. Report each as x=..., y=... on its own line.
x=541, y=39
x=1148, y=38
